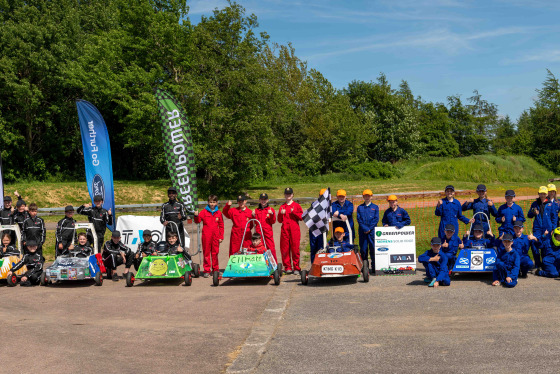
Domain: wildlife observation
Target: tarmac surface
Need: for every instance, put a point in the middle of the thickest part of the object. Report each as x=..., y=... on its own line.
x=393, y=324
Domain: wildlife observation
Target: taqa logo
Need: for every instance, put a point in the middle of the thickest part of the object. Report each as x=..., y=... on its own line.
x=98, y=187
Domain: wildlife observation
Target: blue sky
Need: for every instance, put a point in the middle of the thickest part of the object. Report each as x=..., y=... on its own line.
x=502, y=48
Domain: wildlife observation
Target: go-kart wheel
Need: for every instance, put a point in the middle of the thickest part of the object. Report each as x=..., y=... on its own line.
x=276, y=277
x=304, y=277
x=365, y=271
x=196, y=270
x=216, y=278
x=98, y=279
x=12, y=280
x=280, y=269
x=188, y=278
x=129, y=279
x=44, y=279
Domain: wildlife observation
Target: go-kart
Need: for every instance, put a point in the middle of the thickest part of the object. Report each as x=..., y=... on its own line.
x=245, y=264
x=65, y=268
x=165, y=266
x=6, y=263
x=337, y=264
x=475, y=259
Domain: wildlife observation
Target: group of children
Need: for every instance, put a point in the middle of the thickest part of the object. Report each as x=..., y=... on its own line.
x=512, y=245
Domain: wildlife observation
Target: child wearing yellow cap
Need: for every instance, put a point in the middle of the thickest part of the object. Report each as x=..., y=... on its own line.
x=339, y=242
x=344, y=210
x=541, y=212
x=555, y=204
x=368, y=217
x=395, y=215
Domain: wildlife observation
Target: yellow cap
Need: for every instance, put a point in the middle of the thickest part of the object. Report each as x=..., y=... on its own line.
x=543, y=189
x=551, y=187
x=339, y=229
x=341, y=193
x=322, y=192
x=367, y=192
x=392, y=198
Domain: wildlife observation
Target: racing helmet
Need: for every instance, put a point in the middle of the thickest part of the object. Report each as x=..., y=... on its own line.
x=555, y=241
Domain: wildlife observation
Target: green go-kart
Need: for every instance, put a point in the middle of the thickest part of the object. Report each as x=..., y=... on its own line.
x=245, y=264
x=164, y=267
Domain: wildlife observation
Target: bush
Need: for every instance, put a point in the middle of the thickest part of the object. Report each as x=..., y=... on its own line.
x=374, y=169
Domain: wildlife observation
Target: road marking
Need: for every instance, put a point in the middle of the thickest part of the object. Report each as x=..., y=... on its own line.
x=262, y=331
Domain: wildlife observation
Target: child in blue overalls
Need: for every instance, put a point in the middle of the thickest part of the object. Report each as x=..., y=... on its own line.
x=449, y=209
x=522, y=243
x=450, y=245
x=368, y=217
x=435, y=263
x=508, y=214
x=541, y=211
x=506, y=269
x=481, y=205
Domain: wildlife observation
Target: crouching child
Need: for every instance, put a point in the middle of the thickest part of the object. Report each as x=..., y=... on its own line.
x=146, y=248
x=506, y=269
x=33, y=261
x=435, y=263
x=115, y=253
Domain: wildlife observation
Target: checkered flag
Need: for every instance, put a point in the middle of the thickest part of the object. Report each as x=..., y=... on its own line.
x=317, y=217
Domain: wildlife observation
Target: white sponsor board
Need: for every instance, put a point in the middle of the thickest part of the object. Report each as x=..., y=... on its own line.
x=132, y=227
x=395, y=248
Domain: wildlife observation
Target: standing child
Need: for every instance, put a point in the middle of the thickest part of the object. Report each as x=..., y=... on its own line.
x=449, y=209
x=368, y=217
x=20, y=214
x=506, y=269
x=289, y=216
x=240, y=237
x=6, y=217
x=508, y=214
x=316, y=242
x=100, y=217
x=481, y=205
x=34, y=229
x=212, y=234
x=266, y=215
x=555, y=205
x=521, y=243
x=65, y=231
x=435, y=263
x=344, y=210
x=541, y=212
x=450, y=245
x=395, y=215
x=173, y=213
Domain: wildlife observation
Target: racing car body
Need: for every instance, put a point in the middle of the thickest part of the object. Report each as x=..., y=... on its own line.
x=164, y=267
x=245, y=264
x=337, y=264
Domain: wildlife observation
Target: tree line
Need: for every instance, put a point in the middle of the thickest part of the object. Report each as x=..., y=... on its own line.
x=256, y=110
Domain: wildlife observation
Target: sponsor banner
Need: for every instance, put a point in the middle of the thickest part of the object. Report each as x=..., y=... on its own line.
x=395, y=250
x=132, y=228
x=97, y=156
x=178, y=146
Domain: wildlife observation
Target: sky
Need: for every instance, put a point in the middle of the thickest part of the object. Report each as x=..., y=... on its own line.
x=502, y=48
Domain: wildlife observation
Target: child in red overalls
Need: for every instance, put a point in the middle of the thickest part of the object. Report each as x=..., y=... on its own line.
x=239, y=216
x=212, y=234
x=289, y=216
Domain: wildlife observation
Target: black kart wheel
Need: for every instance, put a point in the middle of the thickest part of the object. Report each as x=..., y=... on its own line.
x=188, y=278
x=276, y=277
x=12, y=280
x=98, y=279
x=129, y=279
x=304, y=277
x=44, y=279
x=196, y=270
x=216, y=278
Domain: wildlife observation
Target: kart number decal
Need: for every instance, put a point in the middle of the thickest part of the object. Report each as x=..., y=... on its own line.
x=332, y=269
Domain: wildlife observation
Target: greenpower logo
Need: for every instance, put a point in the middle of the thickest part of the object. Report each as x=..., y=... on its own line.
x=378, y=233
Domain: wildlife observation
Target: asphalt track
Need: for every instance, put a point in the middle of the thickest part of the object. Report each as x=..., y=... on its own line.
x=390, y=325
